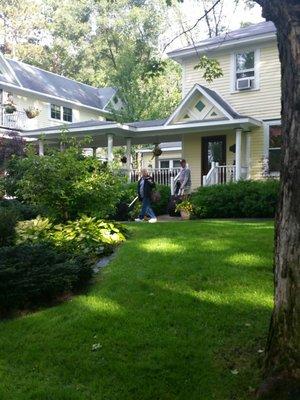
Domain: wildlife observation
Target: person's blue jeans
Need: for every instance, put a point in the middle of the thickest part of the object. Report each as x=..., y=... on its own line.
x=146, y=209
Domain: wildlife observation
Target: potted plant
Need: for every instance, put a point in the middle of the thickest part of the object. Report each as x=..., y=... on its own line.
x=31, y=112
x=10, y=108
x=123, y=159
x=157, y=151
x=185, y=208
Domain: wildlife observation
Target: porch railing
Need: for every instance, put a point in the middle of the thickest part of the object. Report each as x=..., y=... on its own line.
x=16, y=120
x=162, y=176
x=219, y=174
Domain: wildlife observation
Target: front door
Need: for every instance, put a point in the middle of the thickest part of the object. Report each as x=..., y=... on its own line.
x=213, y=149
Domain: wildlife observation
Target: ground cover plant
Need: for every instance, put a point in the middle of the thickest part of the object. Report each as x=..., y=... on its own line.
x=243, y=199
x=181, y=312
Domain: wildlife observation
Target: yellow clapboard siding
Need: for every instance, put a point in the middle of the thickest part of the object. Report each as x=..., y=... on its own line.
x=263, y=103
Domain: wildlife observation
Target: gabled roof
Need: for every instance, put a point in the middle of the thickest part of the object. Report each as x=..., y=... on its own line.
x=47, y=83
x=254, y=32
x=214, y=98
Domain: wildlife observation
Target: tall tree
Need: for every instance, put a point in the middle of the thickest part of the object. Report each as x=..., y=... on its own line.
x=282, y=357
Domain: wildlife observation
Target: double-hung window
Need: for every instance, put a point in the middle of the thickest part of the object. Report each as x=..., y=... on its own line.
x=245, y=70
x=275, y=142
x=61, y=113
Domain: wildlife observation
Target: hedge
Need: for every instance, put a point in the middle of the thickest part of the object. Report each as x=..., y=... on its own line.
x=244, y=199
x=36, y=274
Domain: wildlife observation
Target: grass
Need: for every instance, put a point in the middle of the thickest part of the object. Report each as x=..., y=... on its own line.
x=181, y=313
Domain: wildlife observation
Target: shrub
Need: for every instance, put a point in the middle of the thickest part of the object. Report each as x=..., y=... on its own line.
x=65, y=184
x=8, y=220
x=129, y=192
x=23, y=211
x=36, y=275
x=87, y=235
x=244, y=199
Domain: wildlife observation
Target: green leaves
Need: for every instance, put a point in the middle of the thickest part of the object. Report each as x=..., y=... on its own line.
x=211, y=68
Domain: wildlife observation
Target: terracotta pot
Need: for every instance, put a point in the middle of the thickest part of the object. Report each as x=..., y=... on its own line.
x=185, y=215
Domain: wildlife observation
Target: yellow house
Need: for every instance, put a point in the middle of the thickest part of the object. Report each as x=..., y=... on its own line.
x=229, y=128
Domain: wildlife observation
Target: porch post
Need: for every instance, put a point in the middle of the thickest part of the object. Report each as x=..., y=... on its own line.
x=110, y=143
x=128, y=156
x=238, y=153
x=41, y=148
x=248, y=154
x=94, y=151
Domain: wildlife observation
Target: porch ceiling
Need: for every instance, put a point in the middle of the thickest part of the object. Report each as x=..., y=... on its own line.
x=140, y=132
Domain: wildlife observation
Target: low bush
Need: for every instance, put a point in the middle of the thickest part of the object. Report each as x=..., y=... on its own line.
x=129, y=192
x=86, y=235
x=65, y=184
x=244, y=199
x=32, y=275
x=23, y=211
x=8, y=220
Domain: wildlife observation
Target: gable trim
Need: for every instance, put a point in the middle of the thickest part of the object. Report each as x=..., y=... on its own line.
x=198, y=88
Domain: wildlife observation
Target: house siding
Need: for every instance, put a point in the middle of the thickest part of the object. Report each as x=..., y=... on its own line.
x=44, y=119
x=263, y=103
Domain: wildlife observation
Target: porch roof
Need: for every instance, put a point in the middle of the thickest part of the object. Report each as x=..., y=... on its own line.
x=154, y=131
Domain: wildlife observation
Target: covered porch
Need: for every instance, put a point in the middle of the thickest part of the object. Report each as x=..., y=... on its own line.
x=216, y=141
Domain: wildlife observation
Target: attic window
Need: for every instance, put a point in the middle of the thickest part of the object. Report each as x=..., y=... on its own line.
x=186, y=116
x=213, y=114
x=200, y=106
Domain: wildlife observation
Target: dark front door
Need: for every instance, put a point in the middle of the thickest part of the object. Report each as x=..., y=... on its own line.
x=213, y=149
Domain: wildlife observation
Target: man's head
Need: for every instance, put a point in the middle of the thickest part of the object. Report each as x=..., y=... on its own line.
x=144, y=172
x=183, y=163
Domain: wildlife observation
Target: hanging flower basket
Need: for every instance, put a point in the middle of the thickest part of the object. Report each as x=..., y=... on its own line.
x=10, y=108
x=32, y=112
x=157, y=151
x=124, y=160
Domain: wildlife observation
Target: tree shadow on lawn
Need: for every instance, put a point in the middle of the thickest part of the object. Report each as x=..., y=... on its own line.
x=167, y=325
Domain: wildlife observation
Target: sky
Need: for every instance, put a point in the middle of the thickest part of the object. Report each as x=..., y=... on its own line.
x=191, y=10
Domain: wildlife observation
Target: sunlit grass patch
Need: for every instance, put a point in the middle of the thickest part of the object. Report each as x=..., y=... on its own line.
x=181, y=313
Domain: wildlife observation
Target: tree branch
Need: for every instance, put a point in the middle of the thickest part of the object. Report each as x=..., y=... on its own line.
x=192, y=27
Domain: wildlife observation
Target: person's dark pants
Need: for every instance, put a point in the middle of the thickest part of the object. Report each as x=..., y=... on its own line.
x=146, y=209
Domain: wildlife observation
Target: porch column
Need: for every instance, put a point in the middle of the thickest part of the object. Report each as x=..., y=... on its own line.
x=94, y=151
x=128, y=156
x=41, y=148
x=110, y=143
x=248, y=154
x=128, y=153
x=238, y=153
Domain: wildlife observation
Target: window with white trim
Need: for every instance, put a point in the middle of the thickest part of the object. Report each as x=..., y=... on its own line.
x=245, y=73
x=275, y=143
x=169, y=163
x=61, y=113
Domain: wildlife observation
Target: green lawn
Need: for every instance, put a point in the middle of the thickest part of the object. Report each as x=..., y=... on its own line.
x=181, y=313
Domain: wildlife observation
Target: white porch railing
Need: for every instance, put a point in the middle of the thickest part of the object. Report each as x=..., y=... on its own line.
x=16, y=120
x=162, y=176
x=219, y=174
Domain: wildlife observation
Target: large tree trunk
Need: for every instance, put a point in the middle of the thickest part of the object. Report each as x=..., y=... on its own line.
x=282, y=358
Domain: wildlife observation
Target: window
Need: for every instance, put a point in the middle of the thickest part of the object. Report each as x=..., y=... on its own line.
x=245, y=68
x=61, y=113
x=55, y=111
x=200, y=105
x=67, y=114
x=164, y=164
x=275, y=142
x=176, y=163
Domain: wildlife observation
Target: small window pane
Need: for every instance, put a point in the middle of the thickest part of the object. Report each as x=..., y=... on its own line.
x=244, y=61
x=67, y=114
x=55, y=111
x=200, y=105
x=275, y=136
x=176, y=163
x=164, y=164
x=274, y=160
